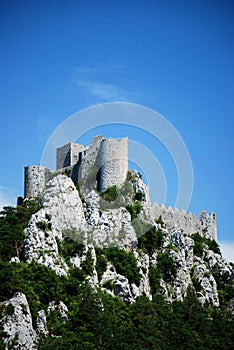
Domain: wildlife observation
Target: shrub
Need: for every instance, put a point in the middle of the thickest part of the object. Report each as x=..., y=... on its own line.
x=87, y=264
x=130, y=176
x=111, y=194
x=42, y=225
x=160, y=221
x=101, y=264
x=151, y=240
x=139, y=196
x=125, y=264
x=199, y=244
x=108, y=285
x=166, y=266
x=134, y=210
x=9, y=310
x=68, y=248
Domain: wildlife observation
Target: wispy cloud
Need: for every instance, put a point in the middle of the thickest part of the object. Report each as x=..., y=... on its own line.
x=99, y=82
x=104, y=68
x=227, y=249
x=103, y=91
x=7, y=197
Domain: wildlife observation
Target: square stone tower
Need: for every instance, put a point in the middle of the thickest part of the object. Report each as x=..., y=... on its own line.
x=69, y=154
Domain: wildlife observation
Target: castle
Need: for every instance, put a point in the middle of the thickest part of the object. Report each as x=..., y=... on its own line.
x=106, y=160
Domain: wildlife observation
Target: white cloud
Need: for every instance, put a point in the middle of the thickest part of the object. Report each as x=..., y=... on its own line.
x=90, y=79
x=104, y=68
x=7, y=197
x=227, y=249
x=107, y=92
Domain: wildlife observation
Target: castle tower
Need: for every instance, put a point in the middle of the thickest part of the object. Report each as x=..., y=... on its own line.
x=113, y=158
x=35, y=179
x=208, y=224
x=69, y=154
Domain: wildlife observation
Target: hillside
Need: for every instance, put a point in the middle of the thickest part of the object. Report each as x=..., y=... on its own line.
x=83, y=269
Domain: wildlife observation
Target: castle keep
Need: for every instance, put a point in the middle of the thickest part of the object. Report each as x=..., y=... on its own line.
x=106, y=162
x=107, y=159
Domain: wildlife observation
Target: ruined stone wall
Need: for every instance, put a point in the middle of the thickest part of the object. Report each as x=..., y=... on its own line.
x=91, y=158
x=69, y=154
x=113, y=157
x=35, y=179
x=208, y=224
x=205, y=223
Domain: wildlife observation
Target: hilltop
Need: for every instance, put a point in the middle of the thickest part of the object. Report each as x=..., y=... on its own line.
x=88, y=262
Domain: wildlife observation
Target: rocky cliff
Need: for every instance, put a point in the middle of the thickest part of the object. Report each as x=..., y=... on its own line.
x=114, y=242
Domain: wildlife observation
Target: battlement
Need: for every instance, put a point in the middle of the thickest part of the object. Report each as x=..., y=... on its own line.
x=205, y=223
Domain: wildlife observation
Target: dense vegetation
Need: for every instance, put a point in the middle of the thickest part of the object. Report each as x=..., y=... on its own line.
x=12, y=223
x=96, y=320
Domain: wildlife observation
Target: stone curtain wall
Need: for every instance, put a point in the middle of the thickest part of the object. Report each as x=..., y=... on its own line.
x=113, y=162
x=35, y=177
x=205, y=224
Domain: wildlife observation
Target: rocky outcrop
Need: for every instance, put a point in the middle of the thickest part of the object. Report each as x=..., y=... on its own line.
x=114, y=229
x=17, y=324
x=61, y=215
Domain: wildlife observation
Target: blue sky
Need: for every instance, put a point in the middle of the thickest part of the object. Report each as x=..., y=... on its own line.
x=176, y=57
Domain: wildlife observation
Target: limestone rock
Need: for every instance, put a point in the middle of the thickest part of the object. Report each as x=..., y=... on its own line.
x=61, y=307
x=61, y=215
x=61, y=201
x=122, y=289
x=92, y=208
x=208, y=291
x=17, y=323
x=114, y=229
x=140, y=187
x=41, y=323
x=40, y=243
x=144, y=287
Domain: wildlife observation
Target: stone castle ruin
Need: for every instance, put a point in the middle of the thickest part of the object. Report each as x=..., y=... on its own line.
x=106, y=160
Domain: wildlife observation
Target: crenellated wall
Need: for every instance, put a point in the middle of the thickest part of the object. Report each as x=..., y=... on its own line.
x=205, y=223
x=113, y=155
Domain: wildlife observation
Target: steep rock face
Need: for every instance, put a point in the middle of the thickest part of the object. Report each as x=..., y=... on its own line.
x=64, y=215
x=143, y=261
x=140, y=188
x=17, y=323
x=61, y=200
x=61, y=215
x=120, y=284
x=42, y=323
x=114, y=228
x=110, y=227
x=40, y=243
x=92, y=208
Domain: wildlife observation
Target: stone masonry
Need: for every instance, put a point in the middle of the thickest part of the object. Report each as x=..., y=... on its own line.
x=108, y=156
